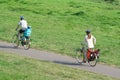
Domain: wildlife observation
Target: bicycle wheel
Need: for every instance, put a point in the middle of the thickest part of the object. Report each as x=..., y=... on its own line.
x=26, y=44
x=15, y=40
x=93, y=61
x=79, y=56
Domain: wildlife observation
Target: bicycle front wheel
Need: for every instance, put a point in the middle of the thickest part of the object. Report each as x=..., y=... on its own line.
x=79, y=56
x=15, y=40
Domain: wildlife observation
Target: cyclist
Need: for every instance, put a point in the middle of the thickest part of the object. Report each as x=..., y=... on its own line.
x=90, y=40
x=23, y=24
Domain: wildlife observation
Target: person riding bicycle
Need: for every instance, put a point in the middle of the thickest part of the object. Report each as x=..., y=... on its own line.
x=90, y=41
x=23, y=24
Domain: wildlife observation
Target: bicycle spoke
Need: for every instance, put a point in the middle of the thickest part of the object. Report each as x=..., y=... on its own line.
x=27, y=45
x=93, y=62
x=79, y=56
x=15, y=40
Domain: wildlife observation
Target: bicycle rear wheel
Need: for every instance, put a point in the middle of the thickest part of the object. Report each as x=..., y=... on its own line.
x=26, y=44
x=93, y=62
x=15, y=40
x=79, y=56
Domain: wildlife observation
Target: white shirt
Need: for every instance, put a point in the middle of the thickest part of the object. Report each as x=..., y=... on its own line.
x=90, y=42
x=23, y=24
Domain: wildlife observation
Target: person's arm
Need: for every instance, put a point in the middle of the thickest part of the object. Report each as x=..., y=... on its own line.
x=85, y=43
x=85, y=39
x=94, y=40
x=18, y=26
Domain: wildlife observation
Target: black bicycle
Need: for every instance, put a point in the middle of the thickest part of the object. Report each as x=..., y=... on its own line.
x=24, y=41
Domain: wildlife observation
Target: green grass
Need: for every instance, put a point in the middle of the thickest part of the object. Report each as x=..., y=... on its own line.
x=16, y=67
x=59, y=25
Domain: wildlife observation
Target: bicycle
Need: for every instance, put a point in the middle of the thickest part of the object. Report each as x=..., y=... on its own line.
x=24, y=41
x=90, y=56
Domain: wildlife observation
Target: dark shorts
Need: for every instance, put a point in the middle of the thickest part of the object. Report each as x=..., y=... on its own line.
x=21, y=31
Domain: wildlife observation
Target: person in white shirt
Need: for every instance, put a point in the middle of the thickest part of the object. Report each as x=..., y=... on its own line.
x=90, y=41
x=23, y=24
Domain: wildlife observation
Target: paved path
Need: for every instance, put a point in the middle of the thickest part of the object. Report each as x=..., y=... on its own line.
x=60, y=59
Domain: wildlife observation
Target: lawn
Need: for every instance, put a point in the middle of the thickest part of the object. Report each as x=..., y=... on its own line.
x=59, y=25
x=16, y=67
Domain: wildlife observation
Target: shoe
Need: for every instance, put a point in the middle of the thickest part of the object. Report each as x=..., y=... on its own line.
x=98, y=57
x=98, y=49
x=83, y=61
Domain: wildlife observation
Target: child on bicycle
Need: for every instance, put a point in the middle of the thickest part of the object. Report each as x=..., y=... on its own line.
x=27, y=32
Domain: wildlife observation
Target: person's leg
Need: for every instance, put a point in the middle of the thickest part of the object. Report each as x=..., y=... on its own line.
x=19, y=33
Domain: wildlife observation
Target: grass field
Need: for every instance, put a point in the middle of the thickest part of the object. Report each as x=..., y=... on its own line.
x=15, y=67
x=59, y=25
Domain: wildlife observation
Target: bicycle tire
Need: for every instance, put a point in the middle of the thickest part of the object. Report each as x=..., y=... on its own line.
x=79, y=56
x=93, y=62
x=15, y=40
x=26, y=45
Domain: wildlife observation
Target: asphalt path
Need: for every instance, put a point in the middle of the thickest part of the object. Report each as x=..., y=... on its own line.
x=60, y=59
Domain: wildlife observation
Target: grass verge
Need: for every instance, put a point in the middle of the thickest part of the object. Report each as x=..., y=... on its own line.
x=15, y=67
x=61, y=28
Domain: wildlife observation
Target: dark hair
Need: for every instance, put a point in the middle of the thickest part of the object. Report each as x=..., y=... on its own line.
x=87, y=31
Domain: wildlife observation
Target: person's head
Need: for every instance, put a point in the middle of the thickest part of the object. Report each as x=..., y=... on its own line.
x=29, y=27
x=88, y=32
x=21, y=17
